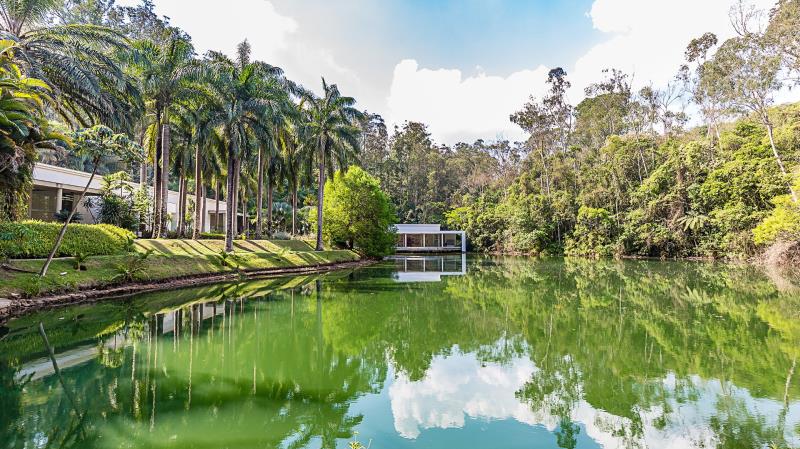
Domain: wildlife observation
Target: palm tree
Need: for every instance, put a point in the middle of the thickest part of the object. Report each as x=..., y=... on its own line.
x=296, y=168
x=331, y=124
x=167, y=72
x=74, y=60
x=245, y=92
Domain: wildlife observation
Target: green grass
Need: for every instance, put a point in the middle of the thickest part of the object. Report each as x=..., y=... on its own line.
x=169, y=259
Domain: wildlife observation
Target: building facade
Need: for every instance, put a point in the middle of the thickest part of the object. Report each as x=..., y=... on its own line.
x=57, y=188
x=429, y=238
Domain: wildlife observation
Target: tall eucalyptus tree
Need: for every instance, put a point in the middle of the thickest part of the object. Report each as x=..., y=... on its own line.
x=331, y=124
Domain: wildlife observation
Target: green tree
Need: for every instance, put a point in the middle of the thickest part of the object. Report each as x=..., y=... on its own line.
x=97, y=142
x=331, y=124
x=358, y=214
x=75, y=60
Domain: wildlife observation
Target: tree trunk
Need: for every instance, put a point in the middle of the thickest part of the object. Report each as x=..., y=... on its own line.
x=216, y=205
x=294, y=210
x=199, y=203
x=164, y=177
x=203, y=194
x=320, y=193
x=229, y=202
x=182, y=184
x=156, y=227
x=235, y=194
x=63, y=231
x=260, y=192
x=778, y=159
x=270, y=192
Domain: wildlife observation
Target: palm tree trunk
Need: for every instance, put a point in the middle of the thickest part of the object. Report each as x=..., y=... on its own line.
x=294, y=210
x=235, y=193
x=63, y=231
x=179, y=212
x=320, y=193
x=259, y=192
x=164, y=177
x=229, y=203
x=216, y=205
x=199, y=202
x=270, y=192
x=203, y=194
x=156, y=228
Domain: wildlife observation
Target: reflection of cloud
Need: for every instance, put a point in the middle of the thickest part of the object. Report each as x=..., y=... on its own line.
x=457, y=386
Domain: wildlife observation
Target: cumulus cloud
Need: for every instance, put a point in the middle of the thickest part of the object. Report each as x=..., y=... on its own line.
x=644, y=38
x=275, y=37
x=458, y=107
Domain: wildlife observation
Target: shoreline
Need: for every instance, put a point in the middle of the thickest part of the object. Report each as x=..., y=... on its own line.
x=14, y=308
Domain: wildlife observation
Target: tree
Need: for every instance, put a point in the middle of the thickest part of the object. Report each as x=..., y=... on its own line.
x=331, y=124
x=97, y=142
x=24, y=131
x=358, y=214
x=750, y=67
x=782, y=32
x=75, y=60
x=245, y=92
x=167, y=72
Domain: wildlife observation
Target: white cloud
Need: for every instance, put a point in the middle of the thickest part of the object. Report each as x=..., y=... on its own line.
x=275, y=38
x=457, y=107
x=644, y=38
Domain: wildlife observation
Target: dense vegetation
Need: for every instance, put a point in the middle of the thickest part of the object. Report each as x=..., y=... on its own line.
x=624, y=172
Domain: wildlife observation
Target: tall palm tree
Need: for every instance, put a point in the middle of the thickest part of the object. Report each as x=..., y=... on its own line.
x=167, y=72
x=75, y=60
x=295, y=169
x=245, y=92
x=331, y=124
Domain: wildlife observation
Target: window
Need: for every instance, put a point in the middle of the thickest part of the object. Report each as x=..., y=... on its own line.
x=414, y=240
x=433, y=240
x=450, y=240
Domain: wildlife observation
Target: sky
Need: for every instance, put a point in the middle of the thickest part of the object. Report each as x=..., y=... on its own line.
x=460, y=66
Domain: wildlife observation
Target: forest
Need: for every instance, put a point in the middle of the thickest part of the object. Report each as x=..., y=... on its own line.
x=705, y=166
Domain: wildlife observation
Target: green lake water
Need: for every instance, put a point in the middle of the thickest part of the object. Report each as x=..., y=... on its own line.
x=436, y=352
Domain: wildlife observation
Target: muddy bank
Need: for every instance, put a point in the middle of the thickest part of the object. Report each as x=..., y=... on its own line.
x=11, y=308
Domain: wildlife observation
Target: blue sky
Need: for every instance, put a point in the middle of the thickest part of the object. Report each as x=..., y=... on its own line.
x=461, y=66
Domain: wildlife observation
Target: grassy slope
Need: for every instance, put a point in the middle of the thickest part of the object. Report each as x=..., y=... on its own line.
x=170, y=259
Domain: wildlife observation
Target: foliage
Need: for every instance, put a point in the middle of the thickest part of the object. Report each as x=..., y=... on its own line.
x=212, y=236
x=358, y=215
x=133, y=269
x=783, y=223
x=34, y=239
x=592, y=235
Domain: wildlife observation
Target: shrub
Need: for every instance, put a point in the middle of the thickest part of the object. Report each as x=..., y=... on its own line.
x=592, y=235
x=212, y=236
x=35, y=239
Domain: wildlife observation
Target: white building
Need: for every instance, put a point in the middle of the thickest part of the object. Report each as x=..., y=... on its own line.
x=55, y=188
x=429, y=238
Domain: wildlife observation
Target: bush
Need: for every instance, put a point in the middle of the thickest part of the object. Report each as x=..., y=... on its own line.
x=357, y=214
x=35, y=239
x=212, y=236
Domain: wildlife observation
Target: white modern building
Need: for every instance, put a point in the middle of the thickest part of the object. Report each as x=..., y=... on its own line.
x=429, y=238
x=55, y=188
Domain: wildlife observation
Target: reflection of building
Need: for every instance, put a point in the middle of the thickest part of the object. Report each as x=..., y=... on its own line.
x=55, y=189
x=429, y=268
x=429, y=238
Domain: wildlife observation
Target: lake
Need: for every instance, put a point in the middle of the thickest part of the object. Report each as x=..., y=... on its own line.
x=420, y=352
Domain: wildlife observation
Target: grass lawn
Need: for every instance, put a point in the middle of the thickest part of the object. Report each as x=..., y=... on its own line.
x=169, y=259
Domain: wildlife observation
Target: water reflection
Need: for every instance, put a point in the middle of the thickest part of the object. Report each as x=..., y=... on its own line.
x=512, y=353
x=428, y=268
